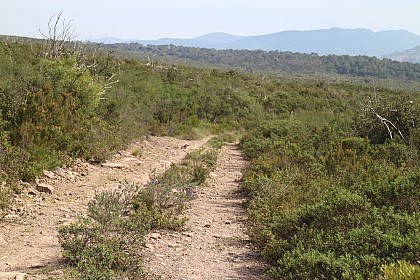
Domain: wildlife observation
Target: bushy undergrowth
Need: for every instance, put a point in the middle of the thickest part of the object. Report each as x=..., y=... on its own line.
x=107, y=243
x=325, y=178
x=327, y=205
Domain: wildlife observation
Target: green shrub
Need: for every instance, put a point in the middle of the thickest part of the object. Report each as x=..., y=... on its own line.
x=325, y=204
x=343, y=232
x=107, y=243
x=164, y=197
x=164, y=202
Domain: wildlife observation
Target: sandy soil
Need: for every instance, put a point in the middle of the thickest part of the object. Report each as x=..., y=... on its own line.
x=213, y=246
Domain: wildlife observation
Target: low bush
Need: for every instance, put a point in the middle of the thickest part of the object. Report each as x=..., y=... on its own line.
x=107, y=243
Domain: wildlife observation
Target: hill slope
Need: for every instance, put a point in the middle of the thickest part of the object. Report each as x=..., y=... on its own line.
x=411, y=55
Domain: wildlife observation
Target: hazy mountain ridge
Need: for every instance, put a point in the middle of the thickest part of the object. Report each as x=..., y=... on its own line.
x=323, y=41
x=411, y=55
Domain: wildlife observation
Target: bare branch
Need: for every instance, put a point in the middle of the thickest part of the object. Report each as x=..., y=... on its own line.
x=60, y=40
x=8, y=48
x=386, y=122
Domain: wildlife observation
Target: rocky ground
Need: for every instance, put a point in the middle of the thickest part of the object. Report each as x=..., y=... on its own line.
x=214, y=244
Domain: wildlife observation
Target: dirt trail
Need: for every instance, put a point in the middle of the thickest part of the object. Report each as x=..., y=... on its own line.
x=28, y=237
x=214, y=245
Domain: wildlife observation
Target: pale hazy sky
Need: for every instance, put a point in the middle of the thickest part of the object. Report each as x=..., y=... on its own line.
x=152, y=19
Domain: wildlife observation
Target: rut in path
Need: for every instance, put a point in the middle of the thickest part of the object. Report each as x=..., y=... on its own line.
x=215, y=244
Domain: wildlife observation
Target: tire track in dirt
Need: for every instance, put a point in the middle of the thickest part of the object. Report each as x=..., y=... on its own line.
x=215, y=244
x=28, y=237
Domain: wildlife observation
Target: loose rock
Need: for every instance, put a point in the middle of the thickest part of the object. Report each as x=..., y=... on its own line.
x=45, y=188
x=114, y=165
x=155, y=236
x=49, y=174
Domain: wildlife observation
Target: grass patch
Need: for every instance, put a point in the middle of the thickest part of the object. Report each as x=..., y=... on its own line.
x=137, y=153
x=220, y=140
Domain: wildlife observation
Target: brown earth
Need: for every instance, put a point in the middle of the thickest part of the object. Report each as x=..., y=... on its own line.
x=213, y=246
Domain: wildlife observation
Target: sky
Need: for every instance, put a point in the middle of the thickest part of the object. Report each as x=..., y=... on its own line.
x=153, y=19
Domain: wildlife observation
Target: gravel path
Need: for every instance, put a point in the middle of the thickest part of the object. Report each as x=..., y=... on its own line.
x=214, y=244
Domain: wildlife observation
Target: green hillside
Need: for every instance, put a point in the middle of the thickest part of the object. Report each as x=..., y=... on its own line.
x=275, y=62
x=333, y=180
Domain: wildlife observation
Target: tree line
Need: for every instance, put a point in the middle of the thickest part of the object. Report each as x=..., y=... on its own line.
x=280, y=62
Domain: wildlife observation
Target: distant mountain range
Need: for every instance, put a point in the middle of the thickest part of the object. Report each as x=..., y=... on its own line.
x=324, y=41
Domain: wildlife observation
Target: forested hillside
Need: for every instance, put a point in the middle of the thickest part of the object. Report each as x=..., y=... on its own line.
x=276, y=62
x=333, y=180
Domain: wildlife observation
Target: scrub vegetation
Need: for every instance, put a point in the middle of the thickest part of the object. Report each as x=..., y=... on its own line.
x=333, y=181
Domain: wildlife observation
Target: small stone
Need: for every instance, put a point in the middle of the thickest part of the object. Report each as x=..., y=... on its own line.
x=114, y=165
x=58, y=273
x=60, y=172
x=155, y=236
x=188, y=234
x=32, y=192
x=45, y=188
x=49, y=174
